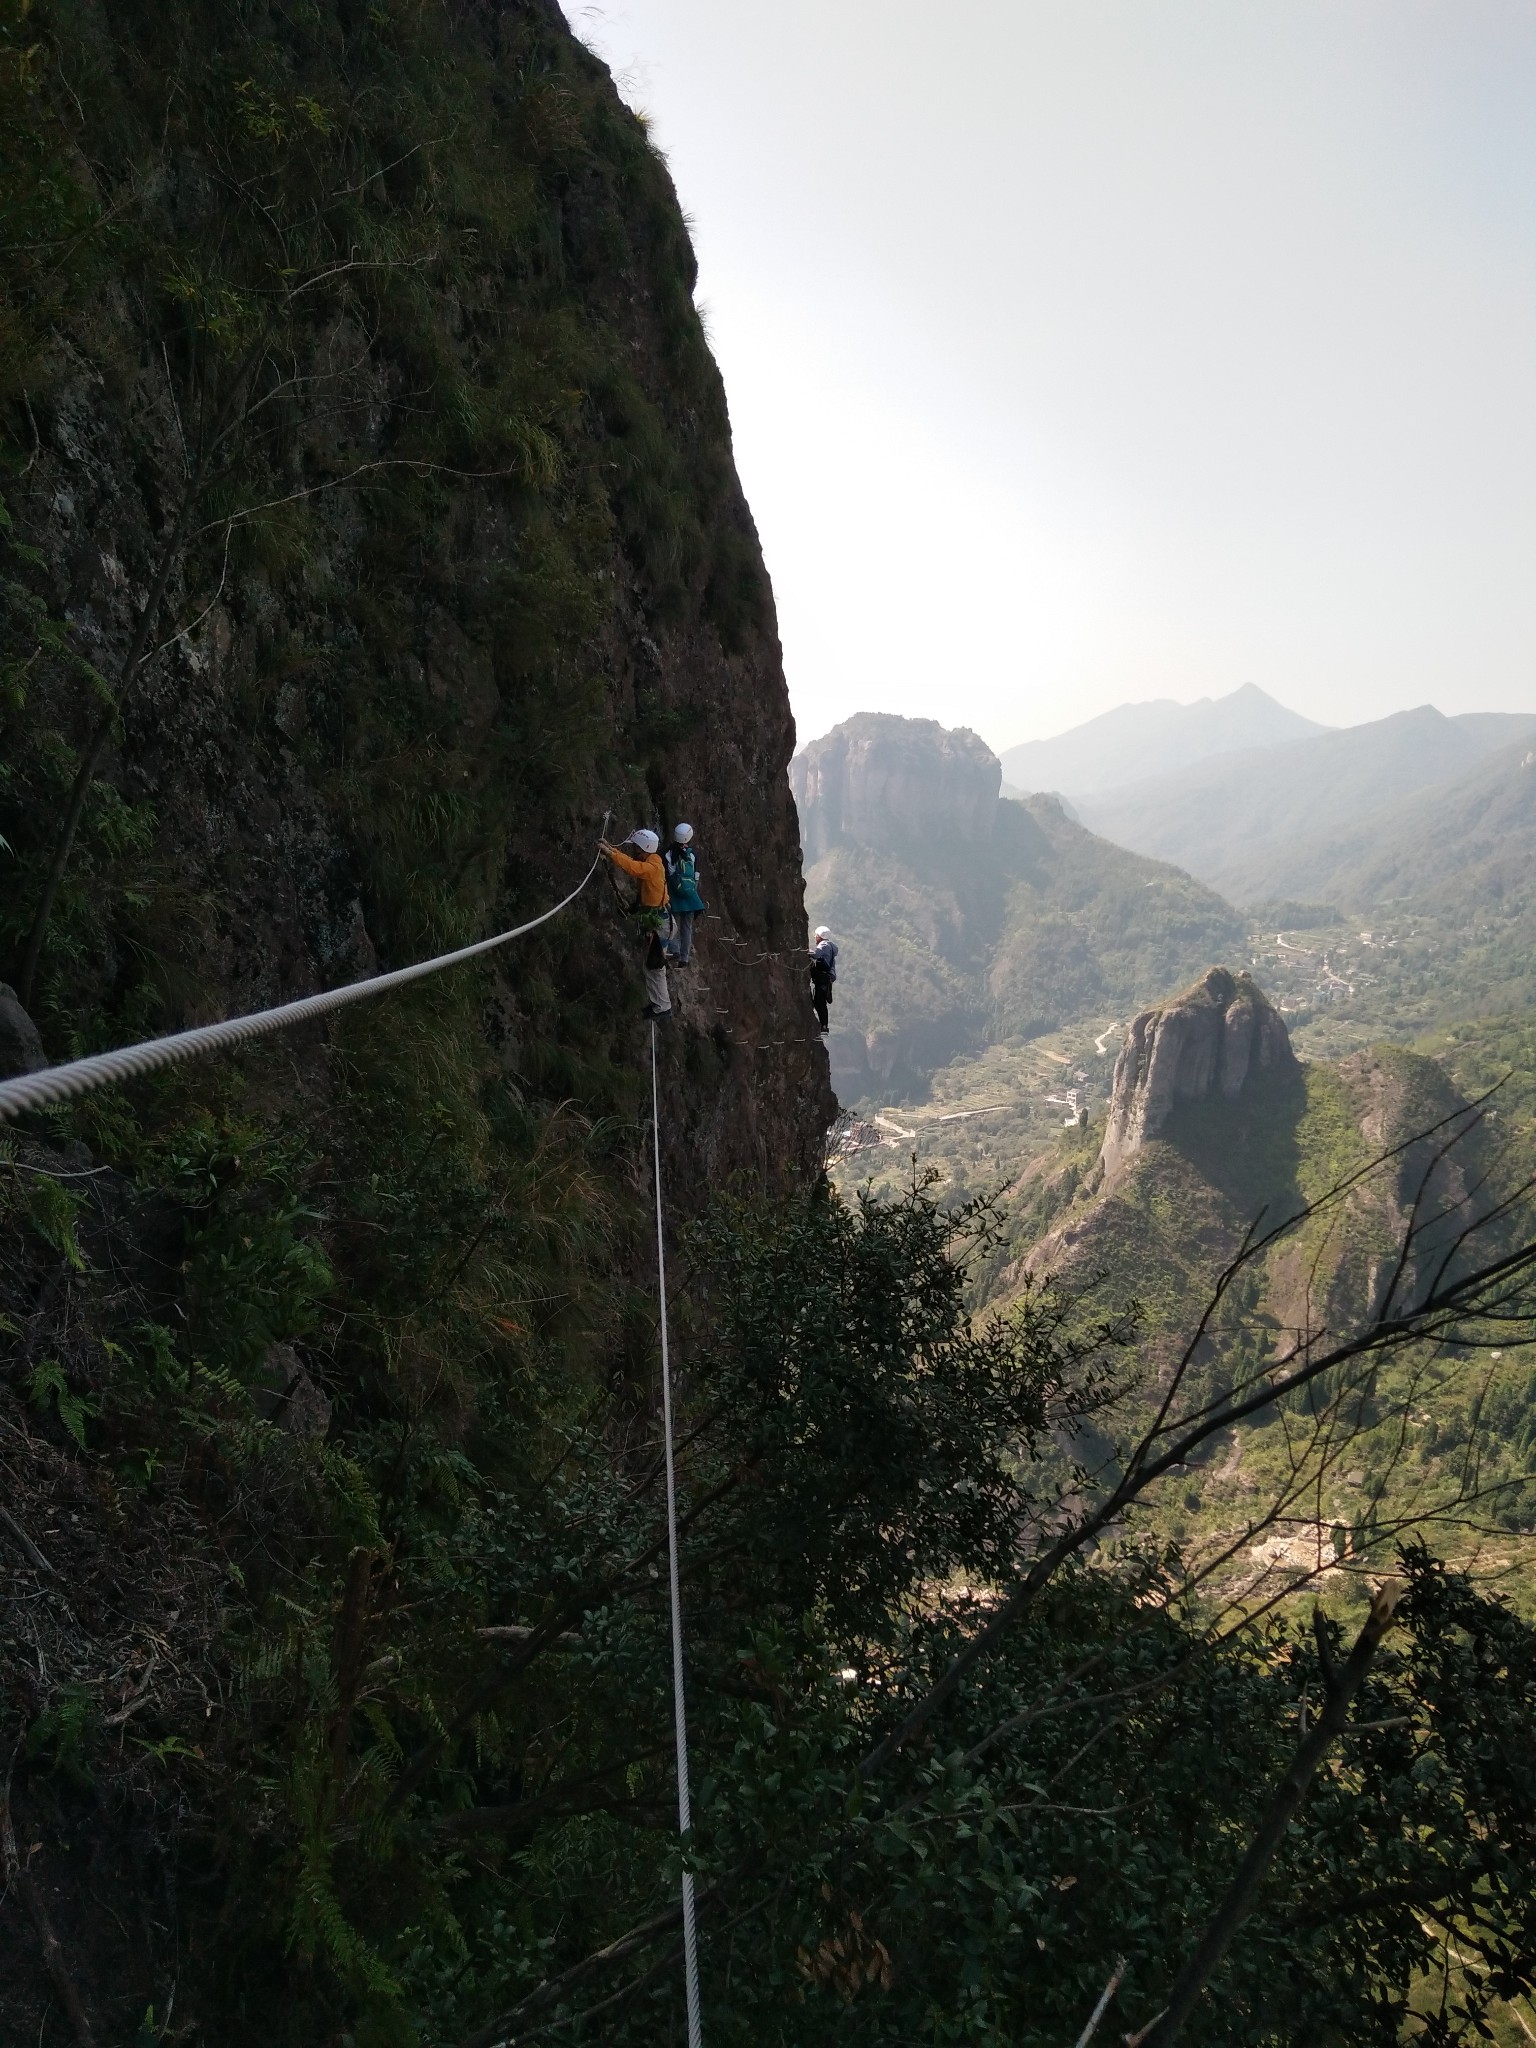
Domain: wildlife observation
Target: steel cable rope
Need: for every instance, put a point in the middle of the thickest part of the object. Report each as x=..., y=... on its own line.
x=76, y=1077
x=679, y=1708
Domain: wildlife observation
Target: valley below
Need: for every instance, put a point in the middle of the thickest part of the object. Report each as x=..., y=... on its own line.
x=1394, y=1017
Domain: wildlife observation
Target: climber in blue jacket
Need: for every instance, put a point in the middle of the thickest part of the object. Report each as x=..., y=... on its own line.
x=683, y=894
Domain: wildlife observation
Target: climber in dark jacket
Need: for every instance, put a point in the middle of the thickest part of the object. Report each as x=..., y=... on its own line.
x=823, y=974
x=683, y=893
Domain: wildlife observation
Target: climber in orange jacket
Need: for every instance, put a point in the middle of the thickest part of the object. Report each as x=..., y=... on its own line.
x=650, y=914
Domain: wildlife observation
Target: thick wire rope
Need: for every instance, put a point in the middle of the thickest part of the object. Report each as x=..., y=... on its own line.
x=76, y=1077
x=679, y=1707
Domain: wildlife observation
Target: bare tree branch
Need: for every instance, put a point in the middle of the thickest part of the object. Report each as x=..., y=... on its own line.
x=1444, y=1310
x=1340, y=1688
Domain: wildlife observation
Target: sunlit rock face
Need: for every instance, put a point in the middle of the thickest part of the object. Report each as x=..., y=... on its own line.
x=1216, y=1039
x=895, y=784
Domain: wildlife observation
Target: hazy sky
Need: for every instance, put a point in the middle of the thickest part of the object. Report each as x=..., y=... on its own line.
x=1084, y=350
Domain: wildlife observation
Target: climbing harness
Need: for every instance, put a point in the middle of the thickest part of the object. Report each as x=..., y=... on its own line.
x=679, y=1708
x=77, y=1077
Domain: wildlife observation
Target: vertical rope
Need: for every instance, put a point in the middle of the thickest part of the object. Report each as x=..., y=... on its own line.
x=679, y=1709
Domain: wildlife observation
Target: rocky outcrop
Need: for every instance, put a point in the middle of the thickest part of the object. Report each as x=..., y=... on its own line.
x=892, y=783
x=1219, y=1038
x=21, y=1049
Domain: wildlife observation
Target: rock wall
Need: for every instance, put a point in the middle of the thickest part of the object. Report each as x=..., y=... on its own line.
x=895, y=784
x=396, y=721
x=370, y=530
x=1216, y=1039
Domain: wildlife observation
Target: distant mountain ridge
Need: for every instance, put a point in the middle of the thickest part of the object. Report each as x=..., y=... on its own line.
x=1158, y=737
x=1468, y=839
x=1239, y=821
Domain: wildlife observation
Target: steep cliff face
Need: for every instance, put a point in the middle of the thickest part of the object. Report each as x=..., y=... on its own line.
x=1213, y=1041
x=370, y=531
x=458, y=563
x=968, y=917
x=895, y=784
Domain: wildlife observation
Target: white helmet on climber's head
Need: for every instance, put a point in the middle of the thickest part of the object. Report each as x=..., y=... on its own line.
x=682, y=834
x=645, y=839
x=822, y=932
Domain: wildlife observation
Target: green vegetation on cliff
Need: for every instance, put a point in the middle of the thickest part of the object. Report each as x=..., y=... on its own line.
x=406, y=1776
x=351, y=302
x=371, y=528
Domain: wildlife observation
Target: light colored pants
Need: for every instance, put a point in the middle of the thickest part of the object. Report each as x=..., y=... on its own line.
x=657, y=994
x=681, y=947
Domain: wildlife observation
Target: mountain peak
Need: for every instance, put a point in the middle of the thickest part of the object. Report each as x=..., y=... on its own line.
x=1256, y=824
x=892, y=782
x=1155, y=737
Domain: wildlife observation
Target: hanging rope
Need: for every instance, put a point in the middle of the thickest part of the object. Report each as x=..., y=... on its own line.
x=679, y=1708
x=76, y=1077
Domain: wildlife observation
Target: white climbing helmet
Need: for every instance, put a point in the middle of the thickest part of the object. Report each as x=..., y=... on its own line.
x=682, y=834
x=645, y=839
x=822, y=932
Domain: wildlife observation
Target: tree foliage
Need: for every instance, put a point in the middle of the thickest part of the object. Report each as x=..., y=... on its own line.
x=438, y=1801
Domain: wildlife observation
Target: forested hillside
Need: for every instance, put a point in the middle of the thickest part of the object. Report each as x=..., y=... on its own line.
x=1462, y=846
x=1155, y=1204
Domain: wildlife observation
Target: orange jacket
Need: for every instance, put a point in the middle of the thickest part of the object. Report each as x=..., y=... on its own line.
x=649, y=873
